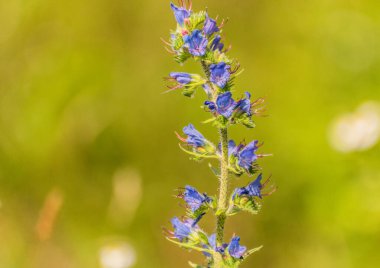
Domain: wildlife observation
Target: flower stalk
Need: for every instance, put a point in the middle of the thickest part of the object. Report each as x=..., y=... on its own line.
x=198, y=36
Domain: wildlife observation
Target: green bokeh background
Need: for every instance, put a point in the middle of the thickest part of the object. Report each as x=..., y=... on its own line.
x=80, y=85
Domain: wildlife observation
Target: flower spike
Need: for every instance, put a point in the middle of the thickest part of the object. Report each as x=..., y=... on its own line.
x=198, y=36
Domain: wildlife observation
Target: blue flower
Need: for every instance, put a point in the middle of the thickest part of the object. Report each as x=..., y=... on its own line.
x=194, y=199
x=248, y=155
x=196, y=43
x=243, y=106
x=210, y=26
x=220, y=74
x=182, y=78
x=234, y=248
x=234, y=149
x=180, y=13
x=182, y=230
x=194, y=137
x=224, y=104
x=201, y=147
x=216, y=44
x=252, y=189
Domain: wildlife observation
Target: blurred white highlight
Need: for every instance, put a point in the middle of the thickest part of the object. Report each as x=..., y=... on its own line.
x=117, y=255
x=357, y=131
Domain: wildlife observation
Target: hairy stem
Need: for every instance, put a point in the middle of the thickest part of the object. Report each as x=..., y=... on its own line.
x=223, y=188
x=223, y=181
x=223, y=185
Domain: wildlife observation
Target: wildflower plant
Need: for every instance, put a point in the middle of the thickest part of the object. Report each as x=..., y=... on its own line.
x=199, y=37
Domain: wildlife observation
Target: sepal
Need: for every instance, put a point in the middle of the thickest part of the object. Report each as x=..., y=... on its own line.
x=198, y=154
x=235, y=168
x=176, y=41
x=215, y=56
x=182, y=56
x=249, y=198
x=245, y=120
x=196, y=20
x=243, y=203
x=220, y=122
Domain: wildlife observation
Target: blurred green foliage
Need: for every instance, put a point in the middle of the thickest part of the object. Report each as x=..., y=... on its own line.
x=80, y=102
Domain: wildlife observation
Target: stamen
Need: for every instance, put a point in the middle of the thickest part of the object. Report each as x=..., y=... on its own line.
x=264, y=155
x=178, y=196
x=258, y=102
x=236, y=68
x=228, y=49
x=271, y=192
x=266, y=181
x=183, y=206
x=260, y=144
x=169, y=78
x=171, y=89
x=171, y=51
x=224, y=22
x=165, y=42
x=179, y=137
x=167, y=232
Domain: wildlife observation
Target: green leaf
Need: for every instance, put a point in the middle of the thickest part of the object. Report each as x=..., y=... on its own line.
x=209, y=120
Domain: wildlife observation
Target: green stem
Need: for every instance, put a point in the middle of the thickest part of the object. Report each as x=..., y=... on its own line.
x=223, y=182
x=223, y=188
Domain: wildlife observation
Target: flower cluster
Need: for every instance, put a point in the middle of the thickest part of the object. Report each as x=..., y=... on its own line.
x=226, y=109
x=198, y=36
x=242, y=158
x=248, y=198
